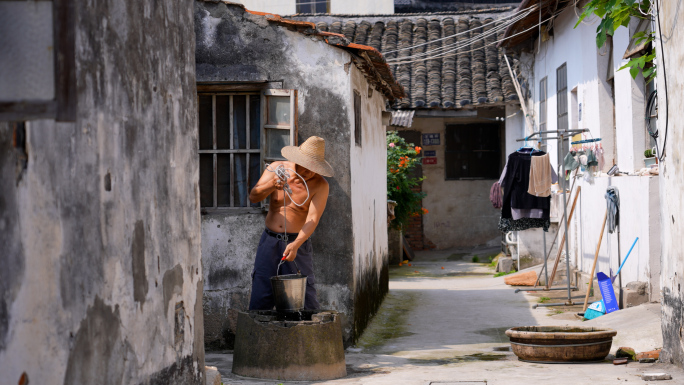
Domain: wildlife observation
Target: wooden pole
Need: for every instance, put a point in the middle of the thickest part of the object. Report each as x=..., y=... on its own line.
x=555, y=238
x=518, y=91
x=593, y=267
x=560, y=246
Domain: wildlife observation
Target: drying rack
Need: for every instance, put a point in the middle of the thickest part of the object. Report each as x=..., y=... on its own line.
x=560, y=136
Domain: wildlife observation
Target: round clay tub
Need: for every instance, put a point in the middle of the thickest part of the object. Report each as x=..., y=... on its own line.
x=560, y=344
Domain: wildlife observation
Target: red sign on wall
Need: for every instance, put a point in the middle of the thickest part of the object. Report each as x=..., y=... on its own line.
x=430, y=160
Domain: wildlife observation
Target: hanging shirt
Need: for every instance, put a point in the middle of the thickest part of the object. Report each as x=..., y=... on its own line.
x=516, y=181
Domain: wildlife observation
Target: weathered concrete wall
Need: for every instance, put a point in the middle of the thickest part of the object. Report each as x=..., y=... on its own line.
x=236, y=46
x=369, y=210
x=587, y=68
x=460, y=213
x=630, y=107
x=229, y=244
x=672, y=179
x=101, y=276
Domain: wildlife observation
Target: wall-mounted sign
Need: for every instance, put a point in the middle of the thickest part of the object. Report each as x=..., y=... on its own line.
x=430, y=153
x=430, y=139
x=430, y=160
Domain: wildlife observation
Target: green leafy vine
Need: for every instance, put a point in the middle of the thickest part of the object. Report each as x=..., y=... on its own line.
x=615, y=14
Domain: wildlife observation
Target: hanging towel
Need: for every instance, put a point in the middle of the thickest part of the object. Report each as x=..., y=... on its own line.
x=540, y=176
x=613, y=202
x=495, y=195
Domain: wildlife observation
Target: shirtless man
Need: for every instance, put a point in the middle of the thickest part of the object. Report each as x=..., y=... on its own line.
x=300, y=220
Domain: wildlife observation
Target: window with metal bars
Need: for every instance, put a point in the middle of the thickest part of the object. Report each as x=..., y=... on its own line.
x=543, y=110
x=357, y=118
x=542, y=104
x=313, y=6
x=473, y=151
x=236, y=138
x=562, y=96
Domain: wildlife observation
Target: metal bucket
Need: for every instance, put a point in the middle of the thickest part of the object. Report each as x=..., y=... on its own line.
x=289, y=292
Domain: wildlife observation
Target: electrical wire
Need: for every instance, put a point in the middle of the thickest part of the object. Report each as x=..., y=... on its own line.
x=459, y=44
x=448, y=53
x=515, y=14
x=667, y=109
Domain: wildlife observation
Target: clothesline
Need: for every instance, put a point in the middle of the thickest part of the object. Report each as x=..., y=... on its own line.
x=562, y=132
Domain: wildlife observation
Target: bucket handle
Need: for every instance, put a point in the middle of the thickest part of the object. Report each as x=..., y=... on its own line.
x=283, y=261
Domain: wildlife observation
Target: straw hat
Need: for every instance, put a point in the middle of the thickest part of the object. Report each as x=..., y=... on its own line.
x=310, y=155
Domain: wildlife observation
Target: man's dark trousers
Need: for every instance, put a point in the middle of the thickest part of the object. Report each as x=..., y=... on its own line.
x=269, y=254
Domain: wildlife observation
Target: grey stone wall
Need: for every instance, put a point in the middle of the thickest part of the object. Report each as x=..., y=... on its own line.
x=672, y=182
x=101, y=276
x=233, y=45
x=236, y=46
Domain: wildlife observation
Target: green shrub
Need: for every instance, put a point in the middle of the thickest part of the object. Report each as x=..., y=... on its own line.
x=402, y=158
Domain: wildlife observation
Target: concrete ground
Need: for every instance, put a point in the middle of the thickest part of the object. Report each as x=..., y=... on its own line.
x=443, y=322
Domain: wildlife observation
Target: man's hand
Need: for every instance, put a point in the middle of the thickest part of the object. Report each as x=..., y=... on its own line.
x=277, y=183
x=290, y=252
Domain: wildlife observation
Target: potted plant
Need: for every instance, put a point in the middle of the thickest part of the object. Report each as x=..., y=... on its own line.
x=649, y=158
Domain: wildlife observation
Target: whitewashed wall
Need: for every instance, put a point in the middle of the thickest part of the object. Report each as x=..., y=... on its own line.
x=289, y=7
x=368, y=164
x=624, y=141
x=362, y=7
x=639, y=217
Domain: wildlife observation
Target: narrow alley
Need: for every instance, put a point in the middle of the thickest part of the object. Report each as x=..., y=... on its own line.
x=242, y=192
x=444, y=322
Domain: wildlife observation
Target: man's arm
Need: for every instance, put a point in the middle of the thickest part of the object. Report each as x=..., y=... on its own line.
x=266, y=185
x=316, y=208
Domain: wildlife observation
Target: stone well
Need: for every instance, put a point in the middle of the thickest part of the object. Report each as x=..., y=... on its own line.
x=304, y=346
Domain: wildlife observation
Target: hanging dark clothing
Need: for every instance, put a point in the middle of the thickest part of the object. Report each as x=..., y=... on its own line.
x=516, y=184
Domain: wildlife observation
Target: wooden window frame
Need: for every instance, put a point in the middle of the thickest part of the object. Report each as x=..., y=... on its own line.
x=312, y=2
x=62, y=107
x=358, y=123
x=293, y=120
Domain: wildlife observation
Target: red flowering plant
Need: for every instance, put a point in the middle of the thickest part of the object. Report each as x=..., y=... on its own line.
x=402, y=159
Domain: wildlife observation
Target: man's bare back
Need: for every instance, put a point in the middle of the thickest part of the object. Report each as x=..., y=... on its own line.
x=301, y=220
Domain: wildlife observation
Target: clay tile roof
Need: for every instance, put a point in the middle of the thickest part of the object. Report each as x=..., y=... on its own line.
x=476, y=75
x=526, y=29
x=277, y=19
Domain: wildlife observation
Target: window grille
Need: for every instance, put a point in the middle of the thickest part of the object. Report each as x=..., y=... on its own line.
x=473, y=151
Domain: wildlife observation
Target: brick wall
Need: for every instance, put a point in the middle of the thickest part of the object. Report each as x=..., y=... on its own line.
x=414, y=232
